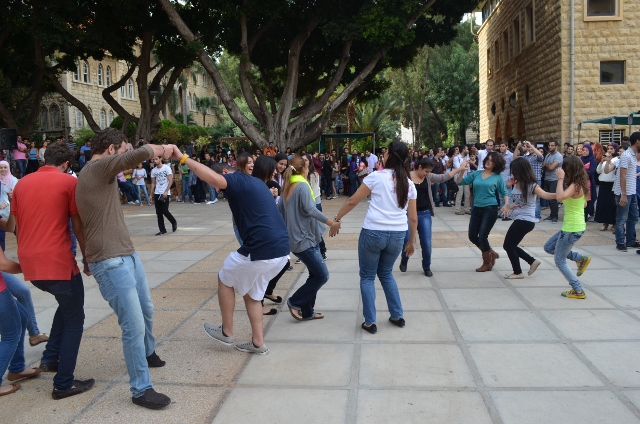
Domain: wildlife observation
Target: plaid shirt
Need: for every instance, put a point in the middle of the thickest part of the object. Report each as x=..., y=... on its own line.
x=536, y=164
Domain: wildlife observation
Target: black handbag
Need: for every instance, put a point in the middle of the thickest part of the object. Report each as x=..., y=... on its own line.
x=452, y=186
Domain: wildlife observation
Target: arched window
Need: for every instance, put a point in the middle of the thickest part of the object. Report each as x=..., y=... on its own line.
x=108, y=76
x=204, y=80
x=103, y=119
x=76, y=72
x=131, y=90
x=55, y=116
x=123, y=91
x=110, y=120
x=100, y=75
x=44, y=118
x=85, y=72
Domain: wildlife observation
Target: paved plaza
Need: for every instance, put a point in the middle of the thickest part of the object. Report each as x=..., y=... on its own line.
x=476, y=349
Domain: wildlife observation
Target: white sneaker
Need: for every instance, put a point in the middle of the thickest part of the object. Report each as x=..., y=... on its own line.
x=131, y=203
x=210, y=202
x=215, y=200
x=251, y=348
x=137, y=202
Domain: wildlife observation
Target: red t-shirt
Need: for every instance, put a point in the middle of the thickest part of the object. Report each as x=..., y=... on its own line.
x=43, y=203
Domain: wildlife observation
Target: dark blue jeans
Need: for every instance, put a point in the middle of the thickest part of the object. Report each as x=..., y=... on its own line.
x=22, y=167
x=424, y=233
x=353, y=183
x=437, y=198
x=13, y=323
x=480, y=225
x=304, y=299
x=66, y=330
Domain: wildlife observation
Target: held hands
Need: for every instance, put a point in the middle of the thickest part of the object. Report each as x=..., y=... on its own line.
x=559, y=172
x=506, y=211
x=334, y=229
x=175, y=152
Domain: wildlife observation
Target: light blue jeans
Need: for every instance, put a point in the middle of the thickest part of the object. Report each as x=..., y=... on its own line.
x=377, y=252
x=13, y=322
x=21, y=292
x=143, y=189
x=213, y=194
x=626, y=219
x=123, y=283
x=424, y=233
x=560, y=245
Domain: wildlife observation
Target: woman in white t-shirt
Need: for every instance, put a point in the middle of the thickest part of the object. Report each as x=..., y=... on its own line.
x=606, y=205
x=393, y=197
x=138, y=176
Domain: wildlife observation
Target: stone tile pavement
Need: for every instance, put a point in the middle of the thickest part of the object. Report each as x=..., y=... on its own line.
x=476, y=349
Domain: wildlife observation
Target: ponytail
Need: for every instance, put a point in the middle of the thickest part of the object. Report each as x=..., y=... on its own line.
x=295, y=167
x=398, y=161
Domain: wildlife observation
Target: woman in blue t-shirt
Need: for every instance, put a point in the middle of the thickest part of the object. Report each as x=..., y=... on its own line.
x=486, y=184
x=522, y=209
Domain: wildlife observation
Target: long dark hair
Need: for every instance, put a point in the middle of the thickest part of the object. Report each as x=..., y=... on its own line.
x=263, y=168
x=398, y=161
x=523, y=174
x=574, y=173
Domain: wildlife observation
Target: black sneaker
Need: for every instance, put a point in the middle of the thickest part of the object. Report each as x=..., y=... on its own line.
x=633, y=246
x=621, y=248
x=324, y=256
x=547, y=218
x=152, y=400
x=399, y=322
x=428, y=273
x=403, y=266
x=79, y=386
x=161, y=233
x=174, y=227
x=154, y=361
x=554, y=220
x=371, y=329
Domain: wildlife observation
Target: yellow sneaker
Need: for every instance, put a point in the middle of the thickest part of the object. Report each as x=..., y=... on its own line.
x=583, y=264
x=574, y=294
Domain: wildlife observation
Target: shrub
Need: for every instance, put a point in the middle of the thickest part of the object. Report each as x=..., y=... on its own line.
x=117, y=124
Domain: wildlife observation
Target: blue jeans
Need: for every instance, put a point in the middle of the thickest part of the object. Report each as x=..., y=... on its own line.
x=66, y=329
x=74, y=240
x=123, y=283
x=21, y=292
x=338, y=183
x=213, y=194
x=377, y=252
x=560, y=245
x=626, y=216
x=143, y=189
x=186, y=191
x=125, y=188
x=22, y=167
x=304, y=299
x=353, y=183
x=424, y=233
x=480, y=225
x=538, y=207
x=13, y=322
x=437, y=198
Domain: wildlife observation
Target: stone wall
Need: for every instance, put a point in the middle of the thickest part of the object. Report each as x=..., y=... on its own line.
x=537, y=67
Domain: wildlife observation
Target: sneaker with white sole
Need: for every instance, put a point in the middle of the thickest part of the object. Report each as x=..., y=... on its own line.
x=249, y=347
x=215, y=332
x=215, y=200
x=210, y=202
x=298, y=261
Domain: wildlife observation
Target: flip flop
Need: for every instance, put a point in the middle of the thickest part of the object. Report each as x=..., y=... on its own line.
x=513, y=277
x=16, y=387
x=273, y=311
x=316, y=315
x=295, y=314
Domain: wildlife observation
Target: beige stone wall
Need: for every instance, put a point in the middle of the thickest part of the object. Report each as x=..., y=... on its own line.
x=596, y=41
x=544, y=66
x=91, y=95
x=538, y=66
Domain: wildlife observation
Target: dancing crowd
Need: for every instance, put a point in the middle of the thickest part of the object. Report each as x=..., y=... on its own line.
x=276, y=203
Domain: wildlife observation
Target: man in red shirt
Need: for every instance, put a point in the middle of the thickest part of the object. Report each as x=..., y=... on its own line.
x=44, y=250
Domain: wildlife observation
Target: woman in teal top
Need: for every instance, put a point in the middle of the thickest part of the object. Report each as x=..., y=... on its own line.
x=571, y=191
x=32, y=164
x=486, y=184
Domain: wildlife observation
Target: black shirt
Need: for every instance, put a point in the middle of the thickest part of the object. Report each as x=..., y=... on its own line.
x=422, y=202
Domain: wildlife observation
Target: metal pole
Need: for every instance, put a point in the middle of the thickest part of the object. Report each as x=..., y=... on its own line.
x=572, y=73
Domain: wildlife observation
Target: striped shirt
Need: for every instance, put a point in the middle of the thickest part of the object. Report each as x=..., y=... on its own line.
x=627, y=161
x=536, y=164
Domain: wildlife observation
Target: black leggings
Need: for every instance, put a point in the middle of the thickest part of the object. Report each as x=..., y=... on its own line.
x=162, y=210
x=516, y=233
x=274, y=280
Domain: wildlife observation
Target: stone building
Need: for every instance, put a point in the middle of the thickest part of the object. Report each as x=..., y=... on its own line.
x=59, y=118
x=525, y=67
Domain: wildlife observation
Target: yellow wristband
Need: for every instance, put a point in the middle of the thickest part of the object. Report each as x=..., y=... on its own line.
x=184, y=159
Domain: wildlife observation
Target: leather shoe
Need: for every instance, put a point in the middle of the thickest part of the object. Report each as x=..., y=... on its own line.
x=79, y=386
x=48, y=366
x=152, y=400
x=154, y=361
x=403, y=266
x=174, y=227
x=12, y=376
x=428, y=273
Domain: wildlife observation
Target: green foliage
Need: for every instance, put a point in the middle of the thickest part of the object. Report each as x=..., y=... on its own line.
x=81, y=135
x=172, y=134
x=379, y=116
x=118, y=122
x=220, y=129
x=178, y=118
x=185, y=133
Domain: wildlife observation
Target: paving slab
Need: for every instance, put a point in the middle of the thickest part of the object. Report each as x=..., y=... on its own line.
x=502, y=326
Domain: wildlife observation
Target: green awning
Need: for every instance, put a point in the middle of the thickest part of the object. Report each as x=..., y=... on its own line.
x=618, y=120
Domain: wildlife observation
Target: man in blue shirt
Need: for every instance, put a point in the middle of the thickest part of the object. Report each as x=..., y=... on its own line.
x=85, y=153
x=264, y=250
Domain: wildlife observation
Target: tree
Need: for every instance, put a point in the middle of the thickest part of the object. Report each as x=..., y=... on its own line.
x=294, y=55
x=379, y=116
x=204, y=104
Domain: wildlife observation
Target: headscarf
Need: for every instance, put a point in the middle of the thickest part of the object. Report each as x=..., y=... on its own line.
x=6, y=180
x=615, y=147
x=587, y=159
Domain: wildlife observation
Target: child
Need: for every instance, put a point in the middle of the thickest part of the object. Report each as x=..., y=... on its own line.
x=572, y=191
x=522, y=209
x=139, y=176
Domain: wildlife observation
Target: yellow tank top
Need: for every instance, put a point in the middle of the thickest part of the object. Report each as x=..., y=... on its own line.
x=574, y=215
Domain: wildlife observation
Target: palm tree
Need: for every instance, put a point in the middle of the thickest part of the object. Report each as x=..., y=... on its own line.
x=204, y=104
x=370, y=116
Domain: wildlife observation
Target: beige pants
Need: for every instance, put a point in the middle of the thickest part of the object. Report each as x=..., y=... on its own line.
x=466, y=191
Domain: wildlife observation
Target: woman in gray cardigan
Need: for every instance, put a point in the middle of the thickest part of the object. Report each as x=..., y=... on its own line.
x=305, y=225
x=422, y=177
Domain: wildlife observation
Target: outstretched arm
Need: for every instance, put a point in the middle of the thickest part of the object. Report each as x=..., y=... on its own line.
x=202, y=171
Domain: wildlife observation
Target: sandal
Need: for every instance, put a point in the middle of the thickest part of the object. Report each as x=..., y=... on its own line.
x=514, y=277
x=278, y=299
x=16, y=387
x=273, y=311
x=22, y=375
x=38, y=338
x=296, y=314
x=316, y=315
